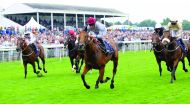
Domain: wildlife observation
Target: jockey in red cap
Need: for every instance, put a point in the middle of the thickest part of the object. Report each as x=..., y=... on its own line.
x=97, y=30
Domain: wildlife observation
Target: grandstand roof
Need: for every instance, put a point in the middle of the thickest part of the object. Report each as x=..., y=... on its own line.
x=59, y=8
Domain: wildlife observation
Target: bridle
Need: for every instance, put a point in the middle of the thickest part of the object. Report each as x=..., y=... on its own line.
x=24, y=48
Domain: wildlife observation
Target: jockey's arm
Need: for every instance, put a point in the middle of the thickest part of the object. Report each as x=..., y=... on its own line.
x=101, y=34
x=179, y=32
x=102, y=30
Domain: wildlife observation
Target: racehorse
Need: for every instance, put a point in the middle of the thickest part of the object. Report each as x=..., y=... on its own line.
x=159, y=51
x=95, y=58
x=74, y=55
x=29, y=56
x=174, y=53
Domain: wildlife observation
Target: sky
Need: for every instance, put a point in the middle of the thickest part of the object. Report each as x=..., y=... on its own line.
x=138, y=10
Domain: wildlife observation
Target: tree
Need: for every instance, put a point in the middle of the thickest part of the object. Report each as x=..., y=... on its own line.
x=147, y=23
x=117, y=23
x=186, y=25
x=127, y=22
x=165, y=21
x=107, y=23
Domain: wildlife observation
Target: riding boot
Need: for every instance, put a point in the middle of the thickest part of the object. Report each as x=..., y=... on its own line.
x=35, y=48
x=103, y=45
x=183, y=45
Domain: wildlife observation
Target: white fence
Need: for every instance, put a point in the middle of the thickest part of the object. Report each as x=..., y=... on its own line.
x=9, y=53
x=134, y=45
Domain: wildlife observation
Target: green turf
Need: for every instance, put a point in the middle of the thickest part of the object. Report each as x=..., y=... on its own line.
x=137, y=81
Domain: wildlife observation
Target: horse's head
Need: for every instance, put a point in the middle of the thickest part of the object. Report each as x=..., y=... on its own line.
x=166, y=37
x=83, y=35
x=156, y=40
x=21, y=44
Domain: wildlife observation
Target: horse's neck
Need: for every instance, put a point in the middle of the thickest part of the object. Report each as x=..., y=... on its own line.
x=173, y=45
x=27, y=49
x=71, y=45
x=160, y=46
x=91, y=48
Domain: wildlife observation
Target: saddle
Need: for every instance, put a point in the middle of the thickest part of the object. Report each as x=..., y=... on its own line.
x=105, y=47
x=182, y=46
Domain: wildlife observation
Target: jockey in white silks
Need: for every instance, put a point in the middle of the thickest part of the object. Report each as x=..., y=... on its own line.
x=97, y=30
x=176, y=30
x=31, y=40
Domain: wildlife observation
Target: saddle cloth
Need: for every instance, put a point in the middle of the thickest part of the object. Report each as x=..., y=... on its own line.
x=108, y=46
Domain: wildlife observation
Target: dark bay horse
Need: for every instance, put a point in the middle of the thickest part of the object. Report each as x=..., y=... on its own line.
x=96, y=59
x=159, y=51
x=29, y=56
x=74, y=55
x=174, y=53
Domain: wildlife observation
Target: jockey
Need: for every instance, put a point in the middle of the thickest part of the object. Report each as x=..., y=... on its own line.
x=159, y=29
x=72, y=34
x=32, y=40
x=176, y=29
x=98, y=30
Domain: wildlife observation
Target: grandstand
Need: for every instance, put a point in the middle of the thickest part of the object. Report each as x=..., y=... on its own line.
x=53, y=15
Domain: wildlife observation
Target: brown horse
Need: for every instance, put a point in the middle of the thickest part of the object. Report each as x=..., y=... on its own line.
x=174, y=53
x=74, y=54
x=159, y=51
x=29, y=56
x=96, y=59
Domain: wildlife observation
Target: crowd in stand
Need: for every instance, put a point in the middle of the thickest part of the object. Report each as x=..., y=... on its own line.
x=8, y=37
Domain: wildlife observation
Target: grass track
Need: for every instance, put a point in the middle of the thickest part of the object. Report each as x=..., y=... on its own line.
x=137, y=82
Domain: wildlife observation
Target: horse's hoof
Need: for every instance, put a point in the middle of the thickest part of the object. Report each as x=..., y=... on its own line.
x=87, y=86
x=39, y=75
x=77, y=71
x=45, y=71
x=39, y=68
x=73, y=70
x=107, y=78
x=96, y=87
x=37, y=72
x=171, y=82
x=185, y=70
x=112, y=86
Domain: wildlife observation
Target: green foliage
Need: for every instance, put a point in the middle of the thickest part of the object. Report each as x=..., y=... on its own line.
x=186, y=25
x=147, y=23
x=137, y=81
x=165, y=21
x=127, y=23
x=107, y=23
x=118, y=23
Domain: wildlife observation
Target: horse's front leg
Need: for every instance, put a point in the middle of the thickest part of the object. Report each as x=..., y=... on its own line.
x=86, y=69
x=71, y=60
x=101, y=75
x=159, y=65
x=25, y=69
x=82, y=61
x=77, y=65
x=175, y=64
x=37, y=60
x=34, y=68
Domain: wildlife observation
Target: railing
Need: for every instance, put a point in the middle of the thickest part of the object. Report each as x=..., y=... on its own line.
x=9, y=53
x=134, y=45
